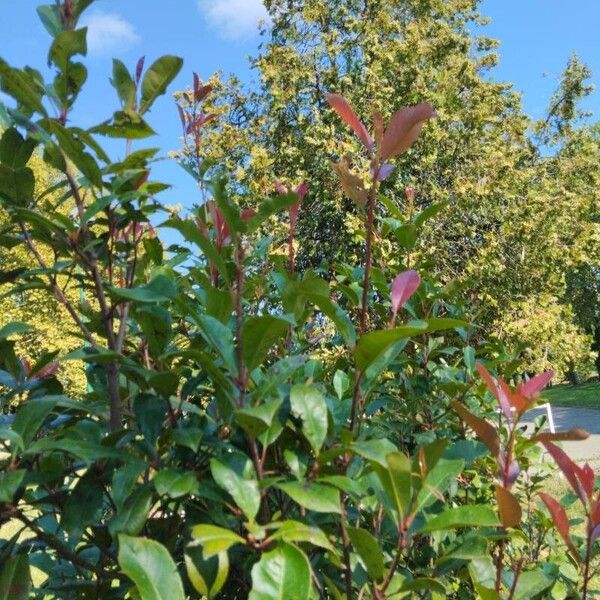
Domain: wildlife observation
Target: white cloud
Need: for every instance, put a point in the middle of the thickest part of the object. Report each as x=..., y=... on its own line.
x=108, y=32
x=234, y=19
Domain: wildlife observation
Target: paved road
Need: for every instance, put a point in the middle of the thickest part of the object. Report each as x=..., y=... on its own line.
x=568, y=418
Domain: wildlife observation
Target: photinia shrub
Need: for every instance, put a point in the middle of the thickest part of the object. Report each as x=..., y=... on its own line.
x=251, y=430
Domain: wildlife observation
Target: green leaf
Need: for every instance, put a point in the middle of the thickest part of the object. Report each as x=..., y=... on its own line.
x=150, y=566
x=66, y=44
x=15, y=578
x=124, y=84
x=269, y=207
x=132, y=517
x=15, y=151
x=308, y=404
x=126, y=124
x=260, y=334
x=206, y=575
x=189, y=230
x=341, y=383
x=424, y=583
x=13, y=328
x=375, y=450
x=437, y=481
x=295, y=531
x=215, y=539
x=16, y=186
x=313, y=496
x=245, y=492
x=532, y=583
x=9, y=484
x=30, y=417
x=368, y=549
x=160, y=289
x=469, y=358
x=282, y=574
x=372, y=345
x=49, y=15
x=74, y=148
x=157, y=79
x=83, y=504
x=396, y=479
x=175, y=484
x=474, y=515
x=22, y=86
x=257, y=419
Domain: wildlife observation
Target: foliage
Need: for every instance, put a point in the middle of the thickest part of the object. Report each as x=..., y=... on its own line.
x=517, y=199
x=251, y=429
x=41, y=311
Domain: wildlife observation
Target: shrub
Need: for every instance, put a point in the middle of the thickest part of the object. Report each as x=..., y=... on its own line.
x=251, y=431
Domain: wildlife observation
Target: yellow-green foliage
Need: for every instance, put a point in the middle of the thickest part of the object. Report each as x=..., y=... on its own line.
x=37, y=308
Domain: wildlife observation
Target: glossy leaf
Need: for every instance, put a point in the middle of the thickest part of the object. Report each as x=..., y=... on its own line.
x=474, y=515
x=372, y=345
x=245, y=492
x=175, y=483
x=215, y=540
x=208, y=576
x=281, y=573
x=313, y=496
x=150, y=566
x=157, y=78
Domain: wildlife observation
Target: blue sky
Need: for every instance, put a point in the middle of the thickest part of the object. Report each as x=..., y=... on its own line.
x=537, y=38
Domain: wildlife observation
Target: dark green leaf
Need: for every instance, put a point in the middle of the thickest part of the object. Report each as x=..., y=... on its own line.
x=368, y=549
x=15, y=578
x=260, y=334
x=9, y=483
x=175, y=483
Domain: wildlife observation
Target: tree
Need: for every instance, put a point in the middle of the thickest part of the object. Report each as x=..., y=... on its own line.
x=518, y=198
x=45, y=314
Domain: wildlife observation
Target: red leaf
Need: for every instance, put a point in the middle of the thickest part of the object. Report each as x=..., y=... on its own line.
x=573, y=435
x=139, y=69
x=530, y=389
x=481, y=427
x=587, y=478
x=301, y=190
x=508, y=507
x=404, y=129
x=403, y=287
x=568, y=467
x=498, y=393
x=344, y=110
x=559, y=517
x=47, y=371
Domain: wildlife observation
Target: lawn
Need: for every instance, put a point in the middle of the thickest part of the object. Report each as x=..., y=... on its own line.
x=586, y=395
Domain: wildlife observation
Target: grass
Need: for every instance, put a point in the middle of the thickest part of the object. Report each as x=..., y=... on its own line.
x=585, y=395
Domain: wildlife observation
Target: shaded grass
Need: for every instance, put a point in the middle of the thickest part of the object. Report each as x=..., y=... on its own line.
x=585, y=395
